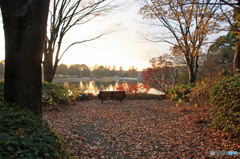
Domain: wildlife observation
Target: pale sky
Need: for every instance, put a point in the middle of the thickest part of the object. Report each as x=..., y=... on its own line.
x=122, y=48
x=125, y=47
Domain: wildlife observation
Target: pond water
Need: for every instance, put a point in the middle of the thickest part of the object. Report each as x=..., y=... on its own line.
x=95, y=86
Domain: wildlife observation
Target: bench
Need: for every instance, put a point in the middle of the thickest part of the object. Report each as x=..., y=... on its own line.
x=118, y=95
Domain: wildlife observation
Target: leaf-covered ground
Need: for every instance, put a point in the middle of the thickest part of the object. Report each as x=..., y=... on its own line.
x=138, y=129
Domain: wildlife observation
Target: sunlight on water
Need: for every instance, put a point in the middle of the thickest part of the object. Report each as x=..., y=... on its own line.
x=110, y=88
x=95, y=86
x=81, y=86
x=154, y=91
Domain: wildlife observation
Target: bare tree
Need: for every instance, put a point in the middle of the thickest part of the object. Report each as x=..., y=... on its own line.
x=188, y=23
x=64, y=15
x=25, y=29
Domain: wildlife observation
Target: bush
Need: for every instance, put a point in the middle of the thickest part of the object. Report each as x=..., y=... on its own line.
x=180, y=93
x=142, y=96
x=200, y=92
x=133, y=88
x=75, y=92
x=86, y=96
x=54, y=94
x=23, y=135
x=225, y=102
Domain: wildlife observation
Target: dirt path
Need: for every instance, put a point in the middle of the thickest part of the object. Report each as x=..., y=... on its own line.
x=137, y=129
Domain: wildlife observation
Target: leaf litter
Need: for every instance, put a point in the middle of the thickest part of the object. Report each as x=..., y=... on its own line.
x=138, y=129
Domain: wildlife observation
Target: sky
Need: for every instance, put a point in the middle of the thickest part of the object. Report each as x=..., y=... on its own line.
x=125, y=47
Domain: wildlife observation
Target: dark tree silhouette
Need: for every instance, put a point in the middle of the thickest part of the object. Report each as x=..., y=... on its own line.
x=64, y=15
x=25, y=29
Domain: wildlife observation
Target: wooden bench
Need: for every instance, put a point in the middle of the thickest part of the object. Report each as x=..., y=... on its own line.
x=118, y=95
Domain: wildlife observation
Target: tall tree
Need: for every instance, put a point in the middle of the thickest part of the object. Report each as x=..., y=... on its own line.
x=25, y=29
x=64, y=15
x=188, y=23
x=219, y=56
x=223, y=47
x=233, y=20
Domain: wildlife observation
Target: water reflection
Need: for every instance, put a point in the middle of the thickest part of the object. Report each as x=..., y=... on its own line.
x=96, y=86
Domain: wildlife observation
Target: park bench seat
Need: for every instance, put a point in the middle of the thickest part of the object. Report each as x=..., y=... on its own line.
x=118, y=95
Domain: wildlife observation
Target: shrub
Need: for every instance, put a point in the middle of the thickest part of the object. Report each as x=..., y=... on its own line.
x=200, y=92
x=133, y=88
x=179, y=93
x=75, y=92
x=23, y=135
x=142, y=96
x=225, y=102
x=54, y=94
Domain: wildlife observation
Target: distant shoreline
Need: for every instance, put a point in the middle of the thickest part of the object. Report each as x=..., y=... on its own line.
x=75, y=79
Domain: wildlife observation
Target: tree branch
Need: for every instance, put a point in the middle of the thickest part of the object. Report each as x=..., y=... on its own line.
x=80, y=42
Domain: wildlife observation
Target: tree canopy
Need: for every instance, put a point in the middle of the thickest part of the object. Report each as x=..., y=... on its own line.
x=188, y=24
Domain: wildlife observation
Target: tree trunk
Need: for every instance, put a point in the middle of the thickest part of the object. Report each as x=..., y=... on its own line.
x=237, y=58
x=48, y=68
x=192, y=75
x=25, y=29
x=48, y=74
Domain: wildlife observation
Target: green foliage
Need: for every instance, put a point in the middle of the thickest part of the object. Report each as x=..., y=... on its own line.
x=225, y=102
x=224, y=48
x=142, y=96
x=220, y=55
x=180, y=93
x=23, y=135
x=54, y=94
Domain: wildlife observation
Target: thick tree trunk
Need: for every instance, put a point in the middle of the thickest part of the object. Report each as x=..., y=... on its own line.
x=25, y=29
x=237, y=58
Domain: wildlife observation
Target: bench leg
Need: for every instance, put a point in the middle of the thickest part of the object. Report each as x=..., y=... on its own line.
x=102, y=100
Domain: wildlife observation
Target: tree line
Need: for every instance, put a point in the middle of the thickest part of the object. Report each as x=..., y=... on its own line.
x=82, y=70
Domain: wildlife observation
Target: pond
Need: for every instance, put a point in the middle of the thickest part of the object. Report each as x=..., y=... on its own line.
x=95, y=86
